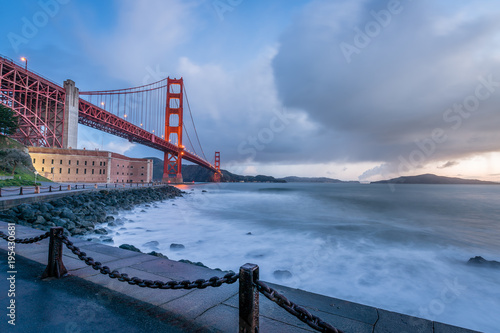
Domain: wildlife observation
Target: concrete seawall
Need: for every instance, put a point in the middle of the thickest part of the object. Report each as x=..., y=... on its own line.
x=9, y=202
x=216, y=309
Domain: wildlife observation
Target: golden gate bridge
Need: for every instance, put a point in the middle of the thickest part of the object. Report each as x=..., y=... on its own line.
x=151, y=115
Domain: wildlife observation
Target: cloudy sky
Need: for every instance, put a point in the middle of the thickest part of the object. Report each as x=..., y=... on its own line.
x=354, y=89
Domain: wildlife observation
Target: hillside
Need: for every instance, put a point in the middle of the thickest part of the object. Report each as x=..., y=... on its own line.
x=15, y=160
x=294, y=179
x=197, y=173
x=433, y=179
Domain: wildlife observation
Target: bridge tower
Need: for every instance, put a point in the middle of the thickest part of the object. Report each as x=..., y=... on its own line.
x=217, y=175
x=172, y=163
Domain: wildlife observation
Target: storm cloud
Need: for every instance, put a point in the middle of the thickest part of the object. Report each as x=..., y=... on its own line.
x=400, y=83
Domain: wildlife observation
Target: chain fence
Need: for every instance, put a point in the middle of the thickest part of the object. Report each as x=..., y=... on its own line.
x=249, y=284
x=39, y=189
x=200, y=283
x=25, y=240
x=294, y=309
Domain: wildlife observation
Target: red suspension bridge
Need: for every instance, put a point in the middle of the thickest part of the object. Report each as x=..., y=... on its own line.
x=152, y=115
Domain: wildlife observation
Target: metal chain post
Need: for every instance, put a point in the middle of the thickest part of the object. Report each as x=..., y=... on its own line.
x=249, y=299
x=55, y=266
x=21, y=190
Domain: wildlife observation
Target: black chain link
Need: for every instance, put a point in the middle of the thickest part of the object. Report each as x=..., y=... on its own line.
x=295, y=309
x=11, y=190
x=26, y=240
x=186, y=284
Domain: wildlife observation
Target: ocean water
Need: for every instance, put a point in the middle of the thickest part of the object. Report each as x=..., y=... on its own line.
x=401, y=248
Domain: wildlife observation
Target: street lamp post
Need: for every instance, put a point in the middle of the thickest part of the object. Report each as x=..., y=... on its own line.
x=26, y=63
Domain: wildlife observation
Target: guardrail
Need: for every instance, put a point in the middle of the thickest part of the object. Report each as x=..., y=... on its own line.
x=44, y=189
x=249, y=284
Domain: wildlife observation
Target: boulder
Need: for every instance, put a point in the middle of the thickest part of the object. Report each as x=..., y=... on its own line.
x=158, y=254
x=70, y=225
x=480, y=261
x=177, y=247
x=151, y=244
x=129, y=247
x=40, y=220
x=101, y=231
x=282, y=274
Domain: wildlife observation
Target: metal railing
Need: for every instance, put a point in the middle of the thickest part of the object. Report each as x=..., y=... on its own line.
x=249, y=284
x=82, y=186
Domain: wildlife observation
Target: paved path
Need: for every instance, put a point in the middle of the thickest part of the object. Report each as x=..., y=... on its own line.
x=74, y=305
x=205, y=310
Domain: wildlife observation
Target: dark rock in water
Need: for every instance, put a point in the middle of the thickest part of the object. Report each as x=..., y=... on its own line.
x=282, y=274
x=249, y=233
x=109, y=219
x=112, y=224
x=119, y=222
x=151, y=244
x=129, y=247
x=478, y=260
x=174, y=246
x=143, y=211
x=203, y=191
x=158, y=254
x=106, y=239
x=101, y=231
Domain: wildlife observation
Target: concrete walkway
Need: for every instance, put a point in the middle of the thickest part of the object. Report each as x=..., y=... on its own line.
x=11, y=197
x=200, y=310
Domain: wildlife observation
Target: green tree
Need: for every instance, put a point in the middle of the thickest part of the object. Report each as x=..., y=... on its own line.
x=8, y=121
x=10, y=159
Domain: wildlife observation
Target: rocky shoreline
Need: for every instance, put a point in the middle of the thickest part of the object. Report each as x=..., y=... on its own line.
x=82, y=214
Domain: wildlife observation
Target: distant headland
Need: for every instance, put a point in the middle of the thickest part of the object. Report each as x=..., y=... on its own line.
x=433, y=179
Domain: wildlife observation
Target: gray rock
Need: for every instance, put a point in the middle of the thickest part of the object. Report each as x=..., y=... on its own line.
x=70, y=225
x=40, y=220
x=282, y=274
x=158, y=254
x=78, y=231
x=101, y=231
x=129, y=247
x=480, y=261
x=174, y=246
x=110, y=219
x=68, y=214
x=151, y=244
x=59, y=222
